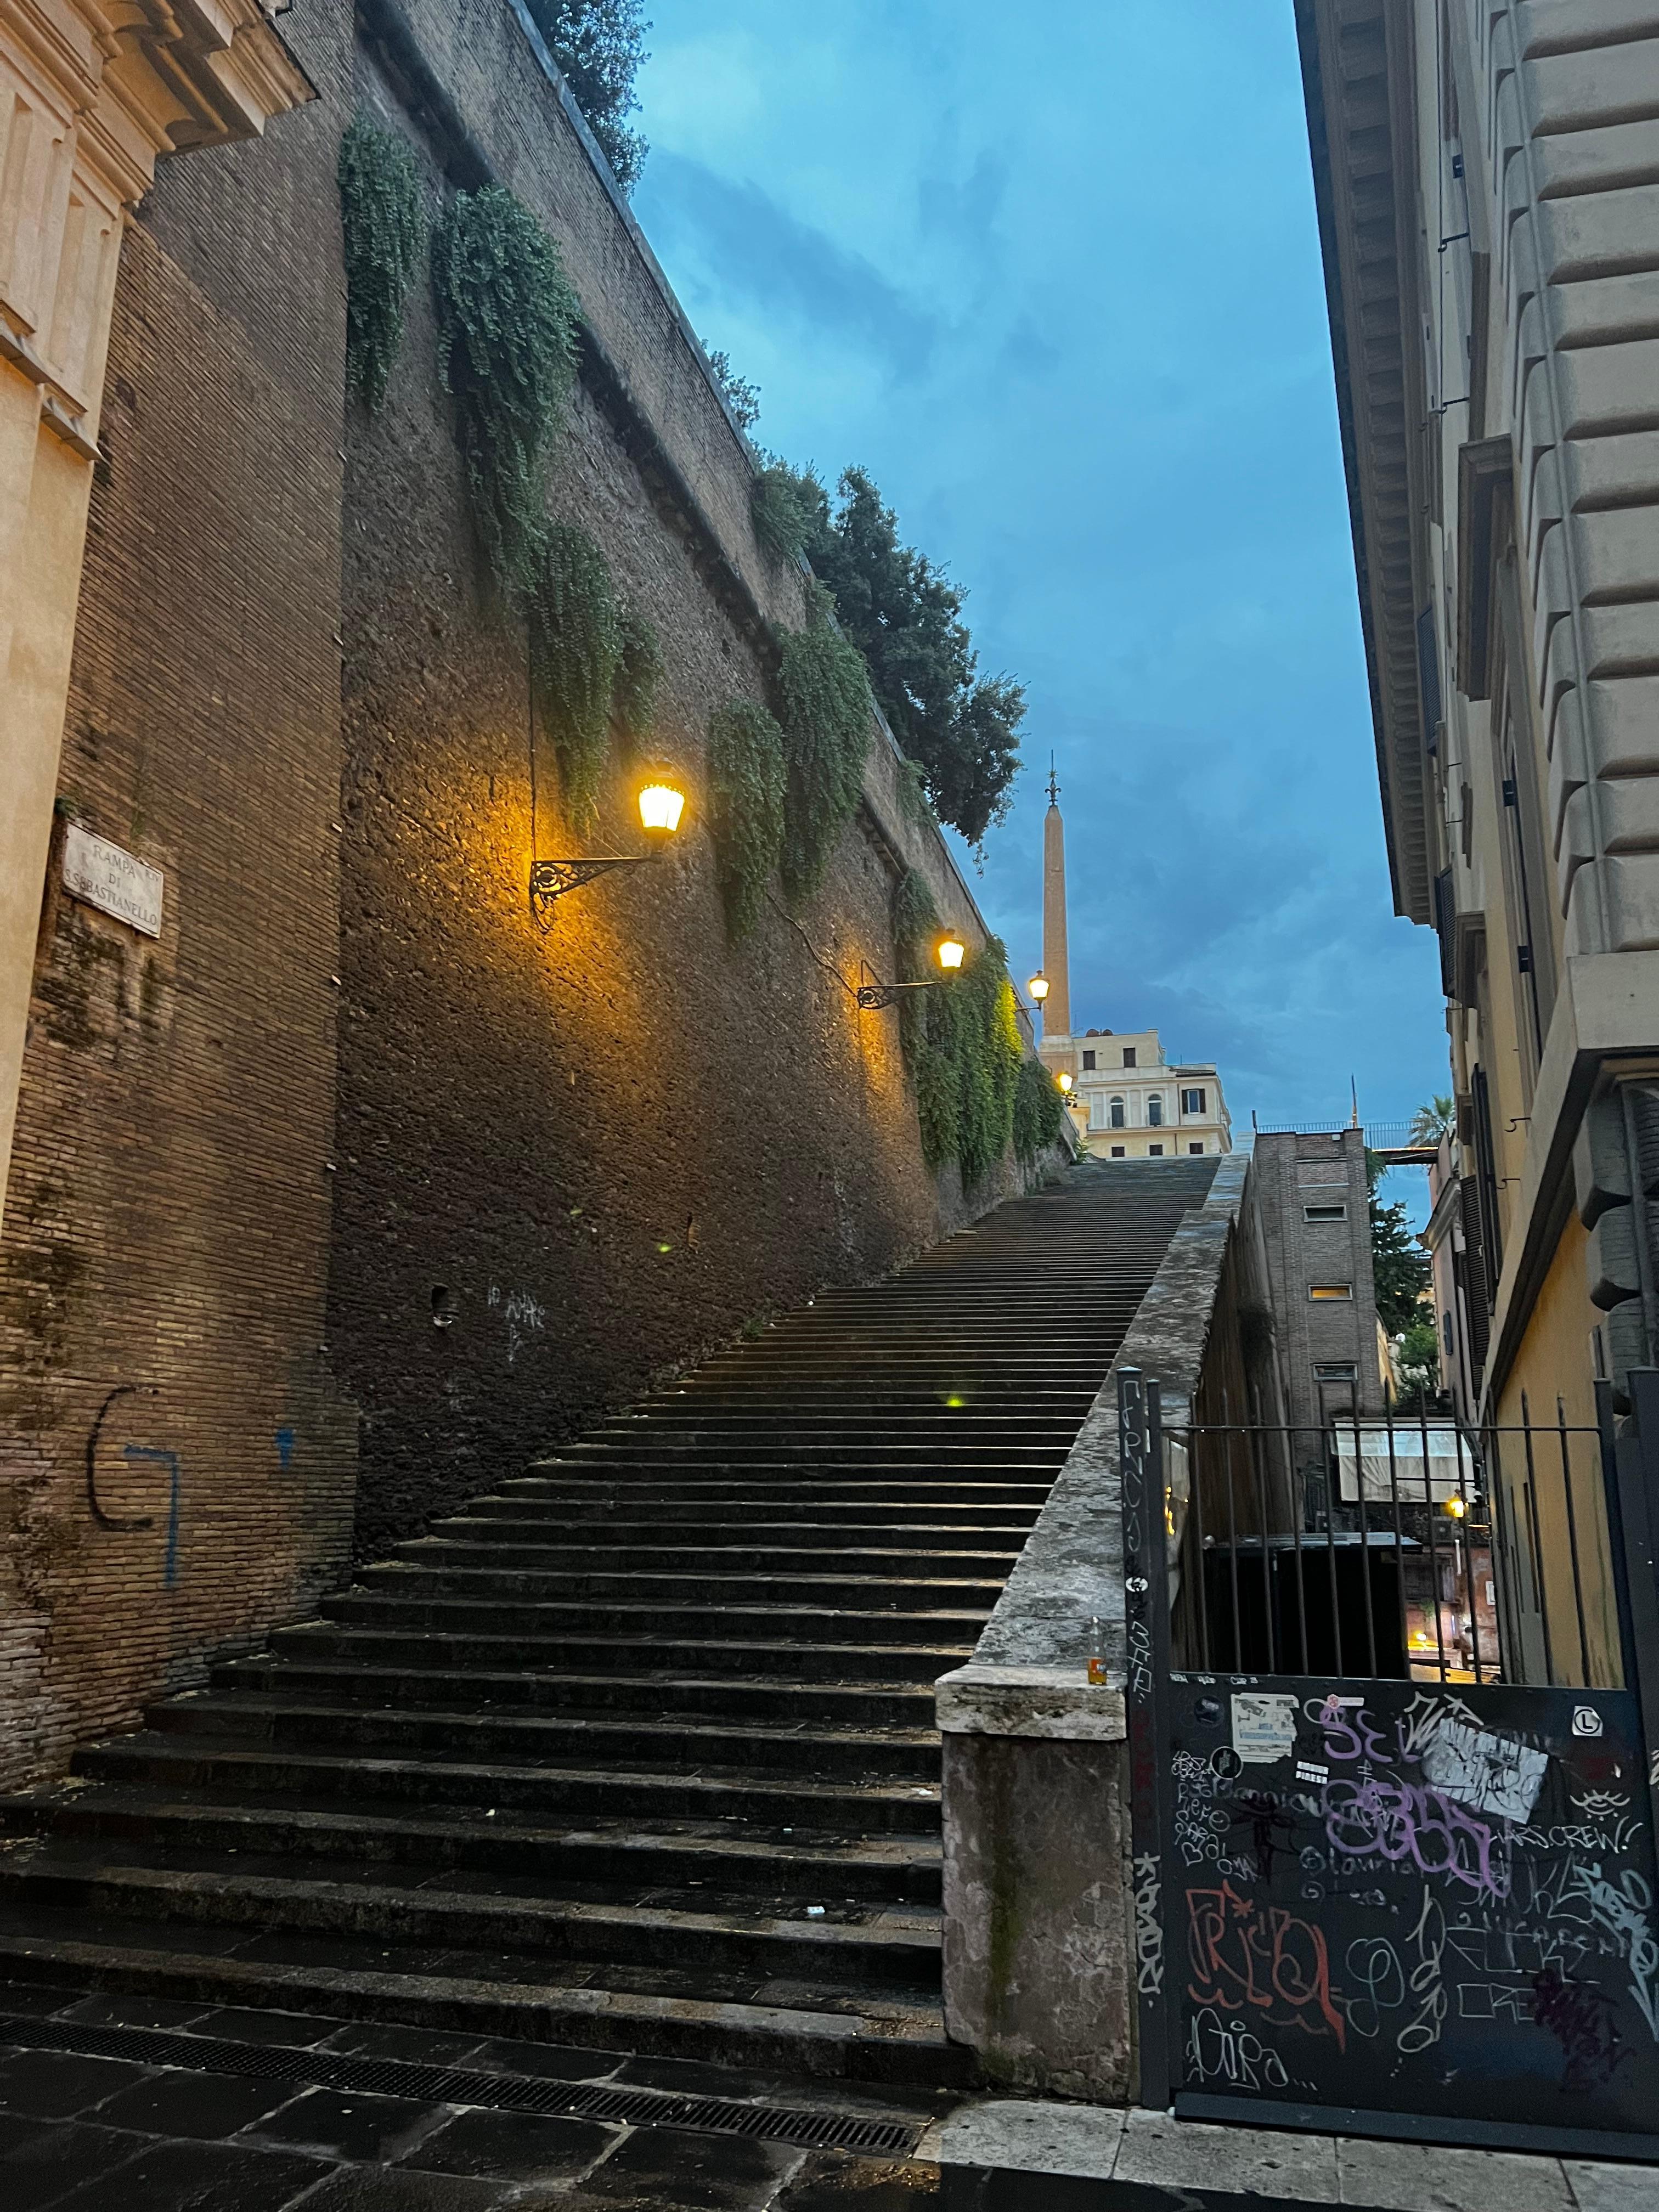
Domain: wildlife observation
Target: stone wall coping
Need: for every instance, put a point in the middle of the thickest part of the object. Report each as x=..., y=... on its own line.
x=1034, y=1701
x=1070, y=1569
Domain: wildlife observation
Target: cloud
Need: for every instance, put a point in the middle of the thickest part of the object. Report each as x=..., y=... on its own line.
x=757, y=255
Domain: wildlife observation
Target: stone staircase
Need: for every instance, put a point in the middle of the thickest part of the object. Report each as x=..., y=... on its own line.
x=636, y=1752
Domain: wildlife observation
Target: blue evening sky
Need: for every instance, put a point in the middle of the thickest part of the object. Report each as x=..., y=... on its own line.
x=1053, y=276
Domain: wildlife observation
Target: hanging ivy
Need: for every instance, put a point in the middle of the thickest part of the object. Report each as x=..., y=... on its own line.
x=824, y=706
x=782, y=517
x=575, y=652
x=914, y=802
x=1038, y=1114
x=506, y=321
x=746, y=782
x=639, y=675
x=961, y=1042
x=383, y=216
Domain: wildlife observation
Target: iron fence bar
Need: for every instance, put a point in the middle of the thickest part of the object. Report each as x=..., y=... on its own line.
x=1232, y=1561
x=1399, y=1549
x=1468, y=1561
x=1572, y=1542
x=1298, y=1506
x=1200, y=1583
x=1365, y=1544
x=1625, y=1587
x=1333, y=1479
x=1631, y=1477
x=1267, y=1563
x=1507, y=1561
x=1147, y=1673
x=1434, y=1553
x=1536, y=1543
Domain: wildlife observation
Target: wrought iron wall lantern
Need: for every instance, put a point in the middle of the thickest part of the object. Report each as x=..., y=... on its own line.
x=949, y=952
x=1038, y=986
x=662, y=803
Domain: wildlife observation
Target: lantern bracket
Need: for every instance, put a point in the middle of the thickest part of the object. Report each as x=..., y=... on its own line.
x=551, y=879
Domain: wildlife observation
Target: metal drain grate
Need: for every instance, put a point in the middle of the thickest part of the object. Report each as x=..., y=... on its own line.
x=455, y=2085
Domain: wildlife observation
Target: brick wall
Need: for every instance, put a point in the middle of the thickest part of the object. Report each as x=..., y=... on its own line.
x=353, y=1136
x=1291, y=1174
x=167, y=1230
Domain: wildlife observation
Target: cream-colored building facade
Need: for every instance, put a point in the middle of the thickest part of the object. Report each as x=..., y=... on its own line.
x=90, y=96
x=1487, y=180
x=1130, y=1103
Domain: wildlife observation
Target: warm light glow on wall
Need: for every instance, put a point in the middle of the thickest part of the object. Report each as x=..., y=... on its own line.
x=1064, y=1081
x=951, y=952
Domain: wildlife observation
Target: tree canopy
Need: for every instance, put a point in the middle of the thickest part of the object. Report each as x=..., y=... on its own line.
x=904, y=615
x=1435, y=1118
x=1400, y=1268
x=599, y=44
x=742, y=397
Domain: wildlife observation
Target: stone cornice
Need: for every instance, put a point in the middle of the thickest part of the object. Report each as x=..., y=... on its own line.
x=1356, y=78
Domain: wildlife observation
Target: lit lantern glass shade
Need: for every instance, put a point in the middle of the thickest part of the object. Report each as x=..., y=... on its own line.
x=662, y=802
x=1064, y=1081
x=1038, y=987
x=951, y=952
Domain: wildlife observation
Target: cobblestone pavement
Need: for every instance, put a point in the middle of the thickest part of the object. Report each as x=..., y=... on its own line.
x=86, y=2133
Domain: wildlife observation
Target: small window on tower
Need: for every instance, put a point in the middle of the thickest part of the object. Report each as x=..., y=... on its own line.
x=1192, y=1102
x=1088, y=1060
x=1118, y=1152
x=1155, y=1152
x=1129, y=1055
x=1195, y=1148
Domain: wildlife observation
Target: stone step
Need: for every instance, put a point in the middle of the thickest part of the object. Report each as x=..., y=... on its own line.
x=790, y=1593
x=651, y=1493
x=801, y=1799
x=949, y=1625
x=650, y=1747
x=476, y=1544
x=926, y=1528
x=602, y=1860
x=879, y=2039
x=855, y=1665
x=791, y=1703
x=866, y=1946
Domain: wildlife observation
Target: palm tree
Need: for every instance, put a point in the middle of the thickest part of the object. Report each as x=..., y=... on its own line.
x=1431, y=1122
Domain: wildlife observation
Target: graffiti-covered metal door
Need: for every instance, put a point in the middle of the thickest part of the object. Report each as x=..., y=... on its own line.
x=1417, y=1903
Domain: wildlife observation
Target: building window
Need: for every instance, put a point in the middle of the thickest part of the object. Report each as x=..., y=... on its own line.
x=1324, y=1213
x=1129, y=1055
x=1195, y=1148
x=1117, y=1152
x=1446, y=1332
x=1154, y=1151
x=1324, y=1290
x=1088, y=1060
x=1154, y=1113
x=1335, y=1370
x=1117, y=1114
x=1194, y=1102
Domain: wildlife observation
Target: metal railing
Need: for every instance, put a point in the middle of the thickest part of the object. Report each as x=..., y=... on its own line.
x=1394, y=1547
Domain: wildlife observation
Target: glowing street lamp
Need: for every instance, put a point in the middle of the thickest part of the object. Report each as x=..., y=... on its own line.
x=1064, y=1083
x=661, y=803
x=1038, y=986
x=951, y=952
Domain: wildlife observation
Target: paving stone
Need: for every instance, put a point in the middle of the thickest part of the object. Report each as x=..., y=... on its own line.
x=250, y=2024
x=1030, y=2138
x=417, y=2047
x=395, y=2189
x=833, y=2182
x=1398, y=2177
x=546, y=2062
x=195, y=2177
x=56, y=2158
x=35, y=2000
x=123, y=2011
x=1600, y=2186
x=206, y=2106
x=349, y=2125
x=1194, y=2155
x=513, y=2147
x=55, y=2085
x=668, y=2167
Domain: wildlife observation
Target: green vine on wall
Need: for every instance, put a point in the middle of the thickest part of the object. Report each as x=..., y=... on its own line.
x=638, y=679
x=961, y=1041
x=507, y=322
x=383, y=217
x=1039, y=1114
x=746, y=783
x=576, y=653
x=781, y=517
x=824, y=708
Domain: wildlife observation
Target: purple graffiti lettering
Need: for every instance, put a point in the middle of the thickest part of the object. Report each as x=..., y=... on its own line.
x=1401, y=1821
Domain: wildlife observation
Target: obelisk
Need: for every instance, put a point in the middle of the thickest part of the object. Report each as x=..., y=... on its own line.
x=1057, y=1007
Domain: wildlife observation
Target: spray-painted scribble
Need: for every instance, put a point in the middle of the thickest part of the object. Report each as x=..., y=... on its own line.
x=1261, y=1961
